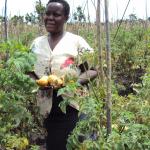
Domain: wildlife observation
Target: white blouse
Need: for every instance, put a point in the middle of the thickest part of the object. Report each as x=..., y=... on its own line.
x=69, y=47
x=58, y=60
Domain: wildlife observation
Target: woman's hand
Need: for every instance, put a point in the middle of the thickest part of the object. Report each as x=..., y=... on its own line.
x=87, y=76
x=32, y=75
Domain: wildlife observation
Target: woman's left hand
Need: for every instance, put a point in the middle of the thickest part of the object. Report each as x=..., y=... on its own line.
x=87, y=76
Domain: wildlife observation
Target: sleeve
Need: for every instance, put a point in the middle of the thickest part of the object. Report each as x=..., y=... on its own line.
x=41, y=66
x=34, y=46
x=83, y=46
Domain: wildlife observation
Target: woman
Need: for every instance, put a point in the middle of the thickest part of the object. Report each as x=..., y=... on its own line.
x=55, y=53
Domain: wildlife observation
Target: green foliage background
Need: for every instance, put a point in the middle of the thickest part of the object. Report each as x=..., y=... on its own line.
x=19, y=115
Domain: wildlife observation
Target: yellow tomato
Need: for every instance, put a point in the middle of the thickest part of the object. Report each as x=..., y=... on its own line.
x=55, y=81
x=42, y=81
x=52, y=79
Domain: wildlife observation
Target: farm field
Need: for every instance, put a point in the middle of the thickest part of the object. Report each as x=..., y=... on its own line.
x=20, y=121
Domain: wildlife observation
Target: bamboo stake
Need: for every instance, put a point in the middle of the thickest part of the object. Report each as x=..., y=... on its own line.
x=99, y=43
x=5, y=21
x=93, y=2
x=108, y=59
x=5, y=28
x=88, y=14
x=146, y=29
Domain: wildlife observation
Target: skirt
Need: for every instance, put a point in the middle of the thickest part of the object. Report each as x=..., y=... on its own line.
x=59, y=125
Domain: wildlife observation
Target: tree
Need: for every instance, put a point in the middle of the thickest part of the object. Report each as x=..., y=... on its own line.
x=2, y=19
x=79, y=16
x=40, y=9
x=17, y=19
x=132, y=17
x=30, y=18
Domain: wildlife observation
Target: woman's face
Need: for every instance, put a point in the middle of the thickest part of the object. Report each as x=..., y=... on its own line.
x=54, y=18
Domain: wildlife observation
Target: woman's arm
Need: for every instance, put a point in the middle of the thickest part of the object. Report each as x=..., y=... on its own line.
x=32, y=75
x=87, y=76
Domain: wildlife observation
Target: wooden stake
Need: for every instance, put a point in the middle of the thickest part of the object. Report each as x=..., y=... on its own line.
x=99, y=43
x=108, y=59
